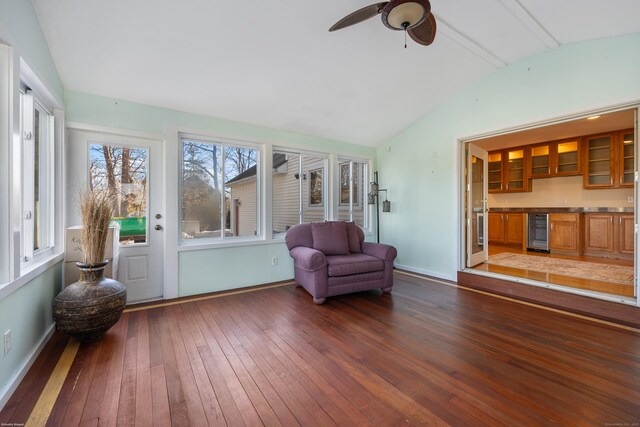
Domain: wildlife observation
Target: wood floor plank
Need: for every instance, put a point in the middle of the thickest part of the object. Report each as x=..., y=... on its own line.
x=426, y=354
x=199, y=397
x=259, y=401
x=144, y=407
x=256, y=342
x=21, y=403
x=109, y=404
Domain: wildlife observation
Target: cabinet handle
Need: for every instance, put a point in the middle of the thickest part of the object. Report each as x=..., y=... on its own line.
x=620, y=220
x=611, y=220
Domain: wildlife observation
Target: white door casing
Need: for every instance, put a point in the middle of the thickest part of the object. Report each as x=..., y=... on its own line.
x=140, y=265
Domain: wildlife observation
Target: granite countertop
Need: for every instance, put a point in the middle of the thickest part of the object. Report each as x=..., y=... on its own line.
x=562, y=210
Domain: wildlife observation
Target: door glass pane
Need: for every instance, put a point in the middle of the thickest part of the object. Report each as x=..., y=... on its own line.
x=124, y=171
x=477, y=211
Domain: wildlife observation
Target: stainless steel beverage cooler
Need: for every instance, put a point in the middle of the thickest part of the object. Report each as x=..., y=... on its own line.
x=538, y=232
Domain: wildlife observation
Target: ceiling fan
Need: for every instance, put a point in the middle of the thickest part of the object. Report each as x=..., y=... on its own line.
x=411, y=16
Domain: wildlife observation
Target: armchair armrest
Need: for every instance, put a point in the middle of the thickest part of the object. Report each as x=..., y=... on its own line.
x=308, y=258
x=380, y=250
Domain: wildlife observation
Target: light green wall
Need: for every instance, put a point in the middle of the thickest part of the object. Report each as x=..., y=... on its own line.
x=214, y=270
x=20, y=28
x=98, y=110
x=420, y=166
x=28, y=313
x=208, y=270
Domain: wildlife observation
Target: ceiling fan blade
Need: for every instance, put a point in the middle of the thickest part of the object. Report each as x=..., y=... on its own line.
x=359, y=16
x=424, y=33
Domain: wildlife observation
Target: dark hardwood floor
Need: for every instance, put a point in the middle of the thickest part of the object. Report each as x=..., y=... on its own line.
x=426, y=354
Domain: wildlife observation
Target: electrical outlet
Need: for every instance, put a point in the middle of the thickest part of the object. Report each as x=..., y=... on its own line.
x=274, y=261
x=7, y=342
x=630, y=199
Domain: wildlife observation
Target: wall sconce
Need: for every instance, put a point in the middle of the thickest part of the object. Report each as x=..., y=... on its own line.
x=304, y=176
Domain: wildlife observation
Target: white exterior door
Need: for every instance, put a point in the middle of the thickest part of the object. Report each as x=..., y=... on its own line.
x=477, y=208
x=132, y=166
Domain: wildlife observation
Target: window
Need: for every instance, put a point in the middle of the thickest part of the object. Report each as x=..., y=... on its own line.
x=123, y=170
x=316, y=192
x=352, y=185
x=298, y=189
x=37, y=177
x=220, y=182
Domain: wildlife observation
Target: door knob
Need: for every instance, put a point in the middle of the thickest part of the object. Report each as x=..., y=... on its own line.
x=158, y=227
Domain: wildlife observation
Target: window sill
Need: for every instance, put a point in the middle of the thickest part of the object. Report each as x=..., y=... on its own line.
x=198, y=246
x=28, y=274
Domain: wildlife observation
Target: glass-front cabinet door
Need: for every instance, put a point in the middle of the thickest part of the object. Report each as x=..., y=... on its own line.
x=627, y=159
x=599, y=172
x=516, y=174
x=541, y=161
x=567, y=159
x=495, y=172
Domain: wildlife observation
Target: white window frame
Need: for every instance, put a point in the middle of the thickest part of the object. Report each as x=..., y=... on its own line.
x=341, y=160
x=301, y=203
x=223, y=142
x=30, y=104
x=16, y=76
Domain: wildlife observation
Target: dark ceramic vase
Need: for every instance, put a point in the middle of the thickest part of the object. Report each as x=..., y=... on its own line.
x=85, y=310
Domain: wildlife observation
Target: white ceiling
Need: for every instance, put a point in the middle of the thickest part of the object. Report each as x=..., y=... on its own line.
x=274, y=64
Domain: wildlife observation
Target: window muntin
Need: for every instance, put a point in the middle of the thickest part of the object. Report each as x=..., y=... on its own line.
x=219, y=189
x=352, y=184
x=123, y=170
x=299, y=189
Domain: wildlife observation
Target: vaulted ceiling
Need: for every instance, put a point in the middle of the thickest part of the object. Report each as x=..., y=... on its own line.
x=274, y=64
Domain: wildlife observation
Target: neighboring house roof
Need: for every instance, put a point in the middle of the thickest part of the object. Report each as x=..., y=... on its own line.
x=278, y=160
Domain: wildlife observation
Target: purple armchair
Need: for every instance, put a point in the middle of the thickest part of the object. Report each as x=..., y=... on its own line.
x=332, y=258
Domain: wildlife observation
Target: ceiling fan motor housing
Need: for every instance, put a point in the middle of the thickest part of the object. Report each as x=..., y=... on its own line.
x=405, y=14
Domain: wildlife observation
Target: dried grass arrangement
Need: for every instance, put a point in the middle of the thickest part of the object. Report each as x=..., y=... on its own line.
x=96, y=209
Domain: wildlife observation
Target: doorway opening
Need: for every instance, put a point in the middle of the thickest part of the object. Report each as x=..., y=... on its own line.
x=554, y=205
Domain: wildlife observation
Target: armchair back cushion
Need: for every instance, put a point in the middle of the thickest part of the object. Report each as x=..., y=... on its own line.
x=330, y=238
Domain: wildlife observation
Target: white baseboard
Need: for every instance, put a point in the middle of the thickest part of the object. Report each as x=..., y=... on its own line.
x=6, y=393
x=435, y=274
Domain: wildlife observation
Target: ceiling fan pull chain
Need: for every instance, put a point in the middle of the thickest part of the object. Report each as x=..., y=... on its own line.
x=405, y=38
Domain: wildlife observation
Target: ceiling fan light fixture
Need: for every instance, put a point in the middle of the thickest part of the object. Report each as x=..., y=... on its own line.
x=405, y=14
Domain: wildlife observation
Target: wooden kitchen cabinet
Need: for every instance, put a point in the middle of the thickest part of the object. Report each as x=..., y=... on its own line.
x=610, y=160
x=495, y=172
x=626, y=158
x=506, y=228
x=514, y=229
x=496, y=228
x=598, y=230
x=557, y=158
x=509, y=171
x=609, y=235
x=564, y=233
x=626, y=234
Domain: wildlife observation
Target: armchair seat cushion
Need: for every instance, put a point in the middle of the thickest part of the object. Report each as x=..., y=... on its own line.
x=346, y=265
